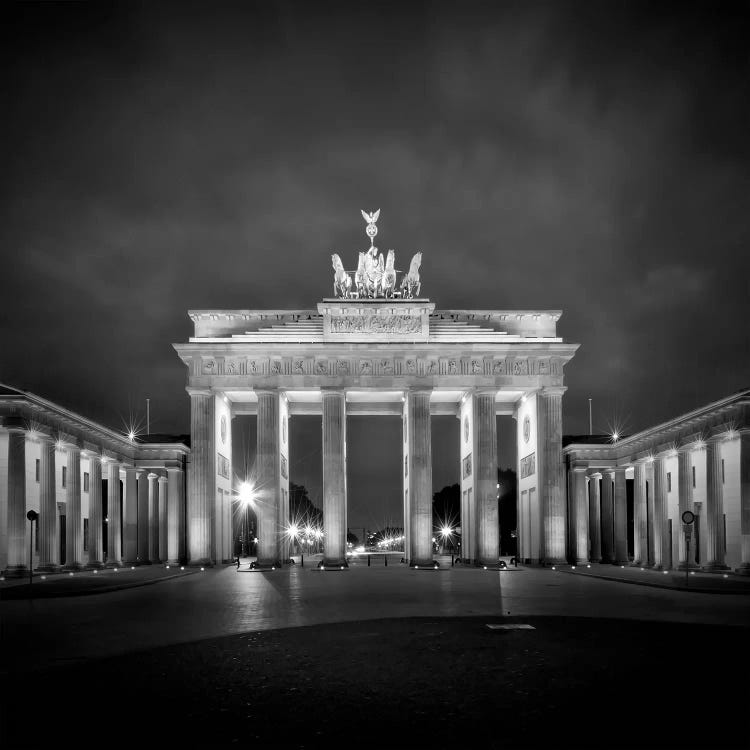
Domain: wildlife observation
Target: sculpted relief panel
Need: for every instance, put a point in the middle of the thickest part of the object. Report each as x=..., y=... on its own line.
x=388, y=324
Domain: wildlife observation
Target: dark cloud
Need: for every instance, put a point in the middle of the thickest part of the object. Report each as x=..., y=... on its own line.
x=591, y=157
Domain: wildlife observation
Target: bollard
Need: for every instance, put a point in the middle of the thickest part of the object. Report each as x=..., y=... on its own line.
x=452, y=561
x=386, y=560
x=368, y=560
x=302, y=561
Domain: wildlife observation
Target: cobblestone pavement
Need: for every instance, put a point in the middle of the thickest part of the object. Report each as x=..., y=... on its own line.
x=222, y=601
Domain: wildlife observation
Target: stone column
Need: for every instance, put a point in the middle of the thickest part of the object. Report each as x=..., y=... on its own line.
x=163, y=514
x=174, y=514
x=581, y=517
x=595, y=519
x=551, y=474
x=202, y=476
x=744, y=568
x=660, y=513
x=96, y=517
x=73, y=521
x=485, y=478
x=640, y=516
x=608, y=540
x=114, y=506
x=334, y=477
x=48, y=527
x=649, y=554
x=268, y=473
x=17, y=542
x=130, y=549
x=621, y=517
x=420, y=476
x=144, y=552
x=714, y=508
x=153, y=518
x=685, y=496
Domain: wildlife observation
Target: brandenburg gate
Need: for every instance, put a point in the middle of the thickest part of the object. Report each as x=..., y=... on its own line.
x=375, y=348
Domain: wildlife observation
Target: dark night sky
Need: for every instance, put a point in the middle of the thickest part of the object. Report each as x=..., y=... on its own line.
x=589, y=157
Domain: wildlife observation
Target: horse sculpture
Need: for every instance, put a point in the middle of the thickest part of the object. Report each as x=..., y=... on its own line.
x=410, y=284
x=342, y=281
x=388, y=281
x=360, y=279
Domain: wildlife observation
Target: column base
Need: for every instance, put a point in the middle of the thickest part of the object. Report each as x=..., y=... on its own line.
x=423, y=564
x=555, y=561
x=689, y=566
x=175, y=562
x=621, y=562
x=714, y=567
x=73, y=567
x=94, y=566
x=581, y=561
x=49, y=568
x=743, y=570
x=16, y=571
x=114, y=565
x=333, y=564
x=204, y=563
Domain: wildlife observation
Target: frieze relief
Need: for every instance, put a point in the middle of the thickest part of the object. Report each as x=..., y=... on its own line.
x=378, y=367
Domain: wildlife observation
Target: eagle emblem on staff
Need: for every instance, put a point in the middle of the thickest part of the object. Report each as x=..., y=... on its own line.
x=375, y=276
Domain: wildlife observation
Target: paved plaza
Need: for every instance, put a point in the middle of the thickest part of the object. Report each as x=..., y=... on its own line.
x=228, y=657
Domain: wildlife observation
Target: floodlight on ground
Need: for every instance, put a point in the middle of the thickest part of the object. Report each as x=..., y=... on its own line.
x=553, y=567
x=44, y=578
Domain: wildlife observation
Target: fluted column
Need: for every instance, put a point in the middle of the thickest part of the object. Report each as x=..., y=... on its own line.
x=661, y=559
x=420, y=476
x=153, y=518
x=744, y=568
x=174, y=514
x=334, y=477
x=17, y=550
x=485, y=480
x=714, y=508
x=163, y=514
x=595, y=519
x=621, y=517
x=551, y=473
x=685, y=498
x=202, y=476
x=114, y=506
x=144, y=554
x=608, y=537
x=96, y=516
x=130, y=546
x=49, y=529
x=268, y=473
x=73, y=521
x=649, y=555
x=640, y=515
x=581, y=518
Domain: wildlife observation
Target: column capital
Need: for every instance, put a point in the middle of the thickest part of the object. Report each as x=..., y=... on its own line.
x=151, y=475
x=13, y=423
x=552, y=390
x=162, y=479
x=579, y=468
x=174, y=469
x=193, y=391
x=594, y=474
